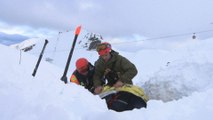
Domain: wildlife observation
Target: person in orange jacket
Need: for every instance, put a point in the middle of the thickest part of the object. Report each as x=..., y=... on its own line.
x=83, y=74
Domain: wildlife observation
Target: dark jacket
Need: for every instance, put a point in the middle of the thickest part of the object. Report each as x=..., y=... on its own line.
x=117, y=63
x=84, y=80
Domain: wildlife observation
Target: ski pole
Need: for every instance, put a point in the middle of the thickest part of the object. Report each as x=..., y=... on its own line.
x=39, y=59
x=64, y=77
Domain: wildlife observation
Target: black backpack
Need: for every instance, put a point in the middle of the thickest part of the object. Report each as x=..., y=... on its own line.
x=112, y=77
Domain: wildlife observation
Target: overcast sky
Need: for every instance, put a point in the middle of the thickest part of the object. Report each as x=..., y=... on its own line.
x=115, y=18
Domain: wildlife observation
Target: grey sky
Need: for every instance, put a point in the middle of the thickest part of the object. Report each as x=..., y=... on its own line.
x=110, y=17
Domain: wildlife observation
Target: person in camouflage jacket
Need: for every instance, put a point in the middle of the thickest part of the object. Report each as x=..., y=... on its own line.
x=116, y=69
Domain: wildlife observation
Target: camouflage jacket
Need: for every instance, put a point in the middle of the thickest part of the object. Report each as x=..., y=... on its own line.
x=117, y=63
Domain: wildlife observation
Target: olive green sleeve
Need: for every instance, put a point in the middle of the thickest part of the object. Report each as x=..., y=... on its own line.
x=98, y=75
x=130, y=71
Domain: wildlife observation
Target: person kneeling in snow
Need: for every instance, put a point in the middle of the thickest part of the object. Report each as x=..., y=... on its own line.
x=83, y=74
x=111, y=61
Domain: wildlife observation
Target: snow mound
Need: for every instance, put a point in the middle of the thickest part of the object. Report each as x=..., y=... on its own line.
x=179, y=80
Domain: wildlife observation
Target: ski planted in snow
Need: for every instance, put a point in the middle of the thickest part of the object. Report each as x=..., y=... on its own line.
x=39, y=59
x=64, y=77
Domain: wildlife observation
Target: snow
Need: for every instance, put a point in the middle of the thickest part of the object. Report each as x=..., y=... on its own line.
x=176, y=75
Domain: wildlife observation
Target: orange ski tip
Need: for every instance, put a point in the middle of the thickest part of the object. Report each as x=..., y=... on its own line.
x=78, y=29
